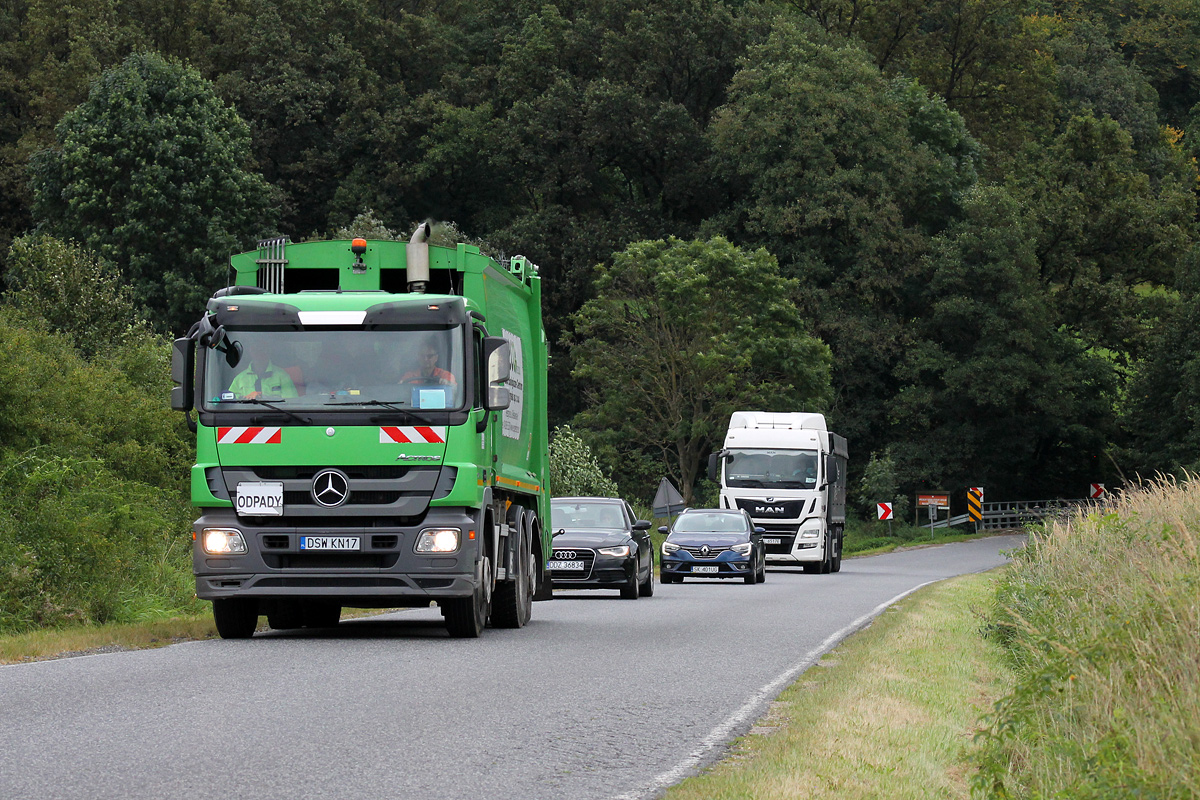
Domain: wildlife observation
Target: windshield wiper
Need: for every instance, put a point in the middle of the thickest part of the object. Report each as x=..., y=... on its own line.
x=273, y=407
x=390, y=406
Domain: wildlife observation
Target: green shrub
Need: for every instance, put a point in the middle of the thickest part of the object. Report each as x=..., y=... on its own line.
x=574, y=471
x=1100, y=617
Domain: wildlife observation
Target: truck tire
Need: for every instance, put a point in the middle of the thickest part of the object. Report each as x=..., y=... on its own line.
x=466, y=617
x=839, y=542
x=827, y=557
x=318, y=614
x=284, y=615
x=513, y=602
x=236, y=617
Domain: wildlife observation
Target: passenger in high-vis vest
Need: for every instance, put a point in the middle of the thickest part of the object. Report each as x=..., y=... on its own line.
x=262, y=378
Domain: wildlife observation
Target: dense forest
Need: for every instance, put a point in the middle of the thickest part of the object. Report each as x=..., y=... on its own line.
x=964, y=229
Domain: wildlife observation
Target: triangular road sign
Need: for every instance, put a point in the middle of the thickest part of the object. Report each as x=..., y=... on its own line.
x=667, y=500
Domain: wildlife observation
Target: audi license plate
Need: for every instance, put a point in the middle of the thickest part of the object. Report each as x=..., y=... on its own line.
x=772, y=541
x=566, y=566
x=705, y=569
x=329, y=543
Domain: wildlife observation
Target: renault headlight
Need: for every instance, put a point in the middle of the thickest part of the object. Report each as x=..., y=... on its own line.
x=669, y=547
x=743, y=549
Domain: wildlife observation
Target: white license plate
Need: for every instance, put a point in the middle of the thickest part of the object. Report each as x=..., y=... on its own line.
x=566, y=566
x=705, y=570
x=329, y=543
x=260, y=498
x=772, y=541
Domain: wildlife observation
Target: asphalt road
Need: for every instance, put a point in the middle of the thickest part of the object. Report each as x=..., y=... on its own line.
x=596, y=698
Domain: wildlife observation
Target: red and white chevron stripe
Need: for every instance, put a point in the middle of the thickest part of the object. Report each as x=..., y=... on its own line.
x=257, y=435
x=421, y=434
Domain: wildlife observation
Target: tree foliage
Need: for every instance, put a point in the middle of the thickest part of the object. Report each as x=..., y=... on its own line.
x=574, y=470
x=150, y=172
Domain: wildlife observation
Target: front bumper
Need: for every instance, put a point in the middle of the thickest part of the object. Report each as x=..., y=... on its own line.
x=606, y=572
x=687, y=567
x=385, y=571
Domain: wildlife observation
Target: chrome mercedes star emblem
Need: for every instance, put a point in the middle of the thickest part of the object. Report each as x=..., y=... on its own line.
x=330, y=488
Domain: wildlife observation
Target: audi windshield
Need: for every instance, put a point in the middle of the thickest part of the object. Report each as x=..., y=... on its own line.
x=325, y=369
x=771, y=469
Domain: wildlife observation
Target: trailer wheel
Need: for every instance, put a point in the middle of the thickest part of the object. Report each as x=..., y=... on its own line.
x=236, y=617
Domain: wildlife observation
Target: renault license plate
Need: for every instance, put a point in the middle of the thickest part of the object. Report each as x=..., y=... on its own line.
x=705, y=569
x=329, y=543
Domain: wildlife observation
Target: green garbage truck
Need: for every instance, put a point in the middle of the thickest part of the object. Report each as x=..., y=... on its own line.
x=371, y=432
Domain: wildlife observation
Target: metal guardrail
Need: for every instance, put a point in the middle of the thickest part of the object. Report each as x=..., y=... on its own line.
x=1014, y=513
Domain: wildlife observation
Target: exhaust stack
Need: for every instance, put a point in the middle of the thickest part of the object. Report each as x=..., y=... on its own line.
x=417, y=253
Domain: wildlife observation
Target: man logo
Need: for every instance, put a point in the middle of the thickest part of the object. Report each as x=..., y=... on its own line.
x=768, y=509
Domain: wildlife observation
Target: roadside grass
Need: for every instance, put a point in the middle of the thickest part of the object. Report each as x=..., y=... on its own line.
x=1100, y=617
x=891, y=712
x=81, y=639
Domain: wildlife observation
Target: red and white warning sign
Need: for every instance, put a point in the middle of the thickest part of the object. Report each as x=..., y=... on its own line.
x=257, y=435
x=1097, y=491
x=420, y=434
x=885, y=510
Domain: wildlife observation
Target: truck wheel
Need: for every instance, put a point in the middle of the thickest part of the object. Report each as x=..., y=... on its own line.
x=236, y=617
x=513, y=603
x=827, y=557
x=283, y=615
x=839, y=542
x=467, y=616
x=322, y=615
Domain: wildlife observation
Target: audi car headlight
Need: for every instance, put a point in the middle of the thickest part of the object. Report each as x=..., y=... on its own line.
x=438, y=540
x=621, y=551
x=743, y=549
x=669, y=547
x=811, y=533
x=223, y=541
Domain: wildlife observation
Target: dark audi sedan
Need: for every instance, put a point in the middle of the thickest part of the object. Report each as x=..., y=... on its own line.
x=713, y=543
x=600, y=544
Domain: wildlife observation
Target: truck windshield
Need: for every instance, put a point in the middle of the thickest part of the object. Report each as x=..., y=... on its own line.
x=771, y=469
x=325, y=369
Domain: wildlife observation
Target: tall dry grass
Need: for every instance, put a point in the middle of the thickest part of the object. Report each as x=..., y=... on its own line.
x=1101, y=617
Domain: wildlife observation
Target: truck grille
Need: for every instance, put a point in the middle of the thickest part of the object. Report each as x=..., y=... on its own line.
x=380, y=491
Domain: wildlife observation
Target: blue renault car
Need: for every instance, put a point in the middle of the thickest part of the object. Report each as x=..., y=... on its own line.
x=713, y=543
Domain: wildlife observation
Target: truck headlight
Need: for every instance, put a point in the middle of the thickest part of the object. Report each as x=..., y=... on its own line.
x=669, y=547
x=743, y=549
x=438, y=540
x=621, y=551
x=811, y=533
x=222, y=541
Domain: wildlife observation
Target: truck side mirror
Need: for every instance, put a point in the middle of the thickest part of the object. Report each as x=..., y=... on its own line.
x=714, y=464
x=183, y=370
x=497, y=359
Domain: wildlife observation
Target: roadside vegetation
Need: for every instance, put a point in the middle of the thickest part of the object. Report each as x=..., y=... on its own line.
x=1100, y=619
x=890, y=712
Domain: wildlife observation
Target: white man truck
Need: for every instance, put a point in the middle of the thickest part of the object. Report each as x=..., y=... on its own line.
x=788, y=471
